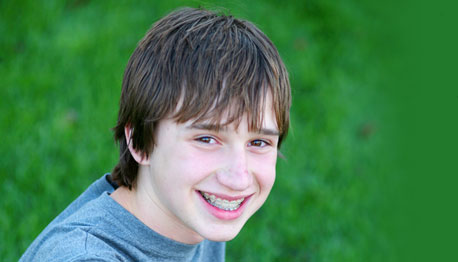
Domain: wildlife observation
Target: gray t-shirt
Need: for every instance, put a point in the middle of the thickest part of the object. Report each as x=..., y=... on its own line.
x=96, y=228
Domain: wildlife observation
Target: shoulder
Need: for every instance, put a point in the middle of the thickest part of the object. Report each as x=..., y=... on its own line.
x=73, y=243
x=83, y=229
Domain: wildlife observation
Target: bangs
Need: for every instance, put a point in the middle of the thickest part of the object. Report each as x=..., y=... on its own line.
x=225, y=107
x=224, y=69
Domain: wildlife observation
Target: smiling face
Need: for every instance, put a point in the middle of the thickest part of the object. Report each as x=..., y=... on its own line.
x=200, y=182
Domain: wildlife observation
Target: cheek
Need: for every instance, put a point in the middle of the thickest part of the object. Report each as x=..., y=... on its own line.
x=195, y=165
x=264, y=168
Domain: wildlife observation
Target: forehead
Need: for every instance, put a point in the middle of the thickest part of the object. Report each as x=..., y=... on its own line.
x=267, y=128
x=238, y=117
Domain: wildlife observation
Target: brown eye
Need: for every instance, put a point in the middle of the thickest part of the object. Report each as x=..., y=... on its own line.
x=258, y=143
x=206, y=140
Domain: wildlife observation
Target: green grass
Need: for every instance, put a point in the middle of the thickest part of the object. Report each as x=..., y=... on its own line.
x=61, y=69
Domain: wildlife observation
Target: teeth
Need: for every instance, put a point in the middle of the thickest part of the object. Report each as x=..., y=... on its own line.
x=222, y=203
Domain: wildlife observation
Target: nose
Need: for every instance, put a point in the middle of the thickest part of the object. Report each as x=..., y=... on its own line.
x=236, y=176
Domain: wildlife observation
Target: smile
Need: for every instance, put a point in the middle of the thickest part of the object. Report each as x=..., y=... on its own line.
x=222, y=203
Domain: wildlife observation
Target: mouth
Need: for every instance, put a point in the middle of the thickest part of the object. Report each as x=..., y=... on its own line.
x=224, y=207
x=224, y=204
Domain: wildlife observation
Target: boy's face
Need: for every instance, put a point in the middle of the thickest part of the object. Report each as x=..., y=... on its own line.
x=203, y=183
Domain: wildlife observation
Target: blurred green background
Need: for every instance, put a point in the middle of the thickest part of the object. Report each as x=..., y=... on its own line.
x=61, y=67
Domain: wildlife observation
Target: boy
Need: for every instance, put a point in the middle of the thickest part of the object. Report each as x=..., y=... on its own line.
x=204, y=107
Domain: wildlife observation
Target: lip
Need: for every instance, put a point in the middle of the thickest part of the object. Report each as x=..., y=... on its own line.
x=222, y=196
x=225, y=214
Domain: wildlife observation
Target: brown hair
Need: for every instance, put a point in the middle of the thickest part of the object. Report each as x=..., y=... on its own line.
x=196, y=64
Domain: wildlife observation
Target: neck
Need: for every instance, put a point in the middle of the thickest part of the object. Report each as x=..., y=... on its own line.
x=141, y=203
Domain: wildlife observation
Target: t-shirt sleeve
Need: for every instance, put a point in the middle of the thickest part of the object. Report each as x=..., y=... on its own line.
x=93, y=258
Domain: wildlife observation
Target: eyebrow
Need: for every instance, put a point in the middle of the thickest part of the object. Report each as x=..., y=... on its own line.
x=262, y=131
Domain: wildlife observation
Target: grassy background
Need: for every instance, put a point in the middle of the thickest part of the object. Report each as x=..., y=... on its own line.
x=61, y=66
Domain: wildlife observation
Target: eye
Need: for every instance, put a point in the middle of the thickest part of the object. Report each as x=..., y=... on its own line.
x=206, y=140
x=259, y=143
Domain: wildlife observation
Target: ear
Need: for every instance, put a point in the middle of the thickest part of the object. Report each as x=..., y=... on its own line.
x=138, y=156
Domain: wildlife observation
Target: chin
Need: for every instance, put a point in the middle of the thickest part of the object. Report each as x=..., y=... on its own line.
x=222, y=238
x=222, y=235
